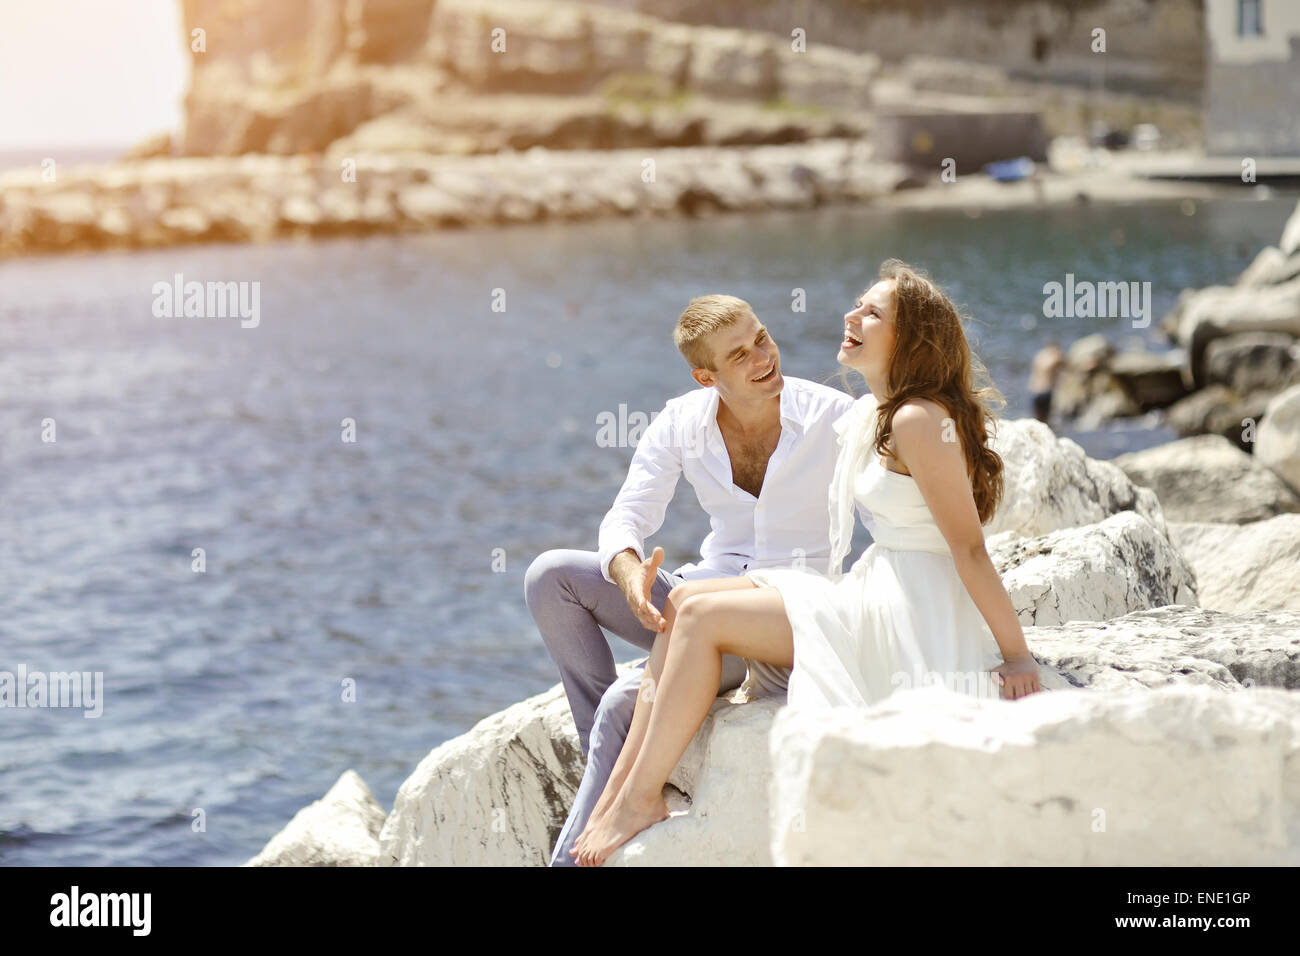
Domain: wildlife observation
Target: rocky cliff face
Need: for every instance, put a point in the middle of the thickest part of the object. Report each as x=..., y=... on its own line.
x=298, y=75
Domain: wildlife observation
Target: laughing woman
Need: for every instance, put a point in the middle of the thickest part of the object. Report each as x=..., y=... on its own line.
x=922, y=602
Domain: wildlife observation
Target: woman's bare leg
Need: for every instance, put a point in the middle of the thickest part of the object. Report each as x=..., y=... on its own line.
x=646, y=696
x=748, y=622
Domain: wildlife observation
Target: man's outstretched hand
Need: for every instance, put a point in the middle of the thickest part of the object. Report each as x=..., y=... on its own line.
x=637, y=580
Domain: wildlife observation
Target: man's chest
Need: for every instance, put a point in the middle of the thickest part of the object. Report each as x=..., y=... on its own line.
x=750, y=458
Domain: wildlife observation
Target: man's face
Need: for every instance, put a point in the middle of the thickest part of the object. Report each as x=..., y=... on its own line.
x=746, y=360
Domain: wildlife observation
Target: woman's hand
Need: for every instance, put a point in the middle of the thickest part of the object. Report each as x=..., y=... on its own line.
x=1017, y=677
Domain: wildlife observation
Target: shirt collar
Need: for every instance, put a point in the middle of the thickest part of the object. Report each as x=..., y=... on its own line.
x=789, y=416
x=789, y=412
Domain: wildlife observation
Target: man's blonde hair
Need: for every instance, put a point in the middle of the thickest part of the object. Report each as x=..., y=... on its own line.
x=701, y=318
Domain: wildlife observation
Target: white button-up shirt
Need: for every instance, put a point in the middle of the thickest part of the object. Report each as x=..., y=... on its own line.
x=787, y=524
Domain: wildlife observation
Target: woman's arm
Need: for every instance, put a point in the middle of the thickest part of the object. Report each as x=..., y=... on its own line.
x=939, y=469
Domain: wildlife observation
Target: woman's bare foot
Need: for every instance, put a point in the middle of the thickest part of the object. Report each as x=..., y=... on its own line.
x=593, y=821
x=612, y=789
x=625, y=818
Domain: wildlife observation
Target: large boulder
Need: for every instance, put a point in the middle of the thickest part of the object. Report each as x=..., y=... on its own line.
x=1149, y=379
x=1093, y=573
x=1289, y=245
x=1049, y=483
x=1278, y=443
x=1173, y=645
x=1180, y=776
x=1097, y=383
x=340, y=829
x=1240, y=572
x=494, y=796
x=1271, y=267
x=1206, y=478
x=1218, y=410
x=1252, y=361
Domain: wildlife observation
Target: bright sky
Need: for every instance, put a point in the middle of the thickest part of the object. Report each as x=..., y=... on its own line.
x=89, y=72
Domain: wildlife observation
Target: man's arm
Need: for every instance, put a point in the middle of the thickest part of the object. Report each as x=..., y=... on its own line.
x=638, y=512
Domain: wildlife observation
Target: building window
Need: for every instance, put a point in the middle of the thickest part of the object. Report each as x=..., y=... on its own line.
x=1250, y=22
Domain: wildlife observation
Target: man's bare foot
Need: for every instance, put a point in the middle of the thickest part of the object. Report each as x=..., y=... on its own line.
x=625, y=819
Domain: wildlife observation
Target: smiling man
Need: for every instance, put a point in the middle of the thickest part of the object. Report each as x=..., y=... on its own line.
x=759, y=451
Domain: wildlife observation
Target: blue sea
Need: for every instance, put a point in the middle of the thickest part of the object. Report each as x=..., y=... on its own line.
x=360, y=602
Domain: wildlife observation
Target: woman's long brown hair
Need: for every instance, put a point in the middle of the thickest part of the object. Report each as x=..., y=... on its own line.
x=933, y=360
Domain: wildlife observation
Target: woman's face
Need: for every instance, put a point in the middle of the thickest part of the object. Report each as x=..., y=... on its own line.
x=869, y=331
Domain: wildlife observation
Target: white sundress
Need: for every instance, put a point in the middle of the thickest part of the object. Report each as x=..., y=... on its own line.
x=900, y=617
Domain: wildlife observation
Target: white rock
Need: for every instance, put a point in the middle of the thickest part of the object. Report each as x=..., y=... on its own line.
x=1049, y=483
x=725, y=771
x=1270, y=267
x=339, y=829
x=1290, y=243
x=730, y=781
x=1277, y=444
x=1207, y=478
x=1173, y=777
x=1270, y=308
x=1094, y=573
x=499, y=794
x=1237, y=571
x=1173, y=645
x=428, y=205
x=494, y=796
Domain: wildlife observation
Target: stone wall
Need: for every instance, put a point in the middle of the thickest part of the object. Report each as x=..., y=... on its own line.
x=1153, y=46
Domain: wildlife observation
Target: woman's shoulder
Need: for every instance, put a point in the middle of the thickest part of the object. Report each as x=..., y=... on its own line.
x=924, y=431
x=918, y=415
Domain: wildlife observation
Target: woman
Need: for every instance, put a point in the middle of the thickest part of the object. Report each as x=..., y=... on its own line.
x=922, y=604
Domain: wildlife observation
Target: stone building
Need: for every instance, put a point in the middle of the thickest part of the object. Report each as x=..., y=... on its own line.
x=1252, y=83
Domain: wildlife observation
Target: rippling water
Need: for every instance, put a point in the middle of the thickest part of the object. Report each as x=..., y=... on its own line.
x=374, y=561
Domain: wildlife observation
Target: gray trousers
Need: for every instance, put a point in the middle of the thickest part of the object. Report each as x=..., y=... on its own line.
x=571, y=601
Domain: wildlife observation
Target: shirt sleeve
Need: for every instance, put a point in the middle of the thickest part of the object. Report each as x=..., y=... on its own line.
x=638, y=510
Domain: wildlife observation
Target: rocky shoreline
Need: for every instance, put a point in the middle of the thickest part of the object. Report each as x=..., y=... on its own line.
x=1234, y=365
x=166, y=202
x=1147, y=631
x=162, y=202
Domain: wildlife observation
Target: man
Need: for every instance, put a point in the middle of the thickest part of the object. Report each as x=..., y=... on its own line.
x=1043, y=373
x=759, y=451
